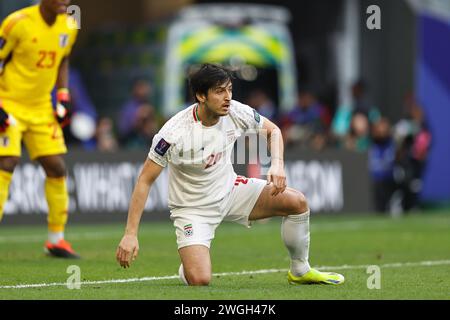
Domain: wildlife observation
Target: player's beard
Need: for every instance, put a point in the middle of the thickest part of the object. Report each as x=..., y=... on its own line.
x=218, y=113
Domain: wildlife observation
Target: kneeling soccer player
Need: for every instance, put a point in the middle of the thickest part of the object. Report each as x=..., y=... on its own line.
x=204, y=191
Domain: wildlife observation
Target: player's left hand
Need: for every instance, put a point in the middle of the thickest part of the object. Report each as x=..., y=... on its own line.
x=63, y=111
x=277, y=176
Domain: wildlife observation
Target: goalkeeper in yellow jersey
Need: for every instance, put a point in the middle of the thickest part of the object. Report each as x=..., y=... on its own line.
x=35, y=44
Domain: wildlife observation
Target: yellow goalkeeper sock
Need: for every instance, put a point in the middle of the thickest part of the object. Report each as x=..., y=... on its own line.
x=58, y=203
x=5, y=181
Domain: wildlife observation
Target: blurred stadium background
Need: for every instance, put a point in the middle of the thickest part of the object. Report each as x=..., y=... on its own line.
x=364, y=111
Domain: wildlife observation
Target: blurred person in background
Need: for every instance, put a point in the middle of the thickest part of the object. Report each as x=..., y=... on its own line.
x=381, y=164
x=104, y=136
x=414, y=142
x=360, y=104
x=307, y=123
x=358, y=138
x=35, y=44
x=131, y=114
x=263, y=104
x=144, y=128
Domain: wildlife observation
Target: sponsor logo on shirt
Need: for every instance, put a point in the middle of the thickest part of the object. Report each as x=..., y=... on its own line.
x=162, y=147
x=257, y=116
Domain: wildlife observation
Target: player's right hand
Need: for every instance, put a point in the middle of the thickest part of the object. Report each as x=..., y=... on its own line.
x=127, y=250
x=277, y=176
x=4, y=120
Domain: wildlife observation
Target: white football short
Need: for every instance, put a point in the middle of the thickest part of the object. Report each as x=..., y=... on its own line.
x=197, y=226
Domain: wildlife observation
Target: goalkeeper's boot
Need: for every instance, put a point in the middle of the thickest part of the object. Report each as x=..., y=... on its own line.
x=314, y=276
x=62, y=249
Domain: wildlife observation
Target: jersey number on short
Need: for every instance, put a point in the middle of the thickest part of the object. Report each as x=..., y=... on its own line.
x=47, y=59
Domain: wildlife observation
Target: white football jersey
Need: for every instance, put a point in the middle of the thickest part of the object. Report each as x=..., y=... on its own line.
x=201, y=173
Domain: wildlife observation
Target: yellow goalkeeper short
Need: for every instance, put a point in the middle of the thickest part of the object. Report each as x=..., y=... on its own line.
x=37, y=126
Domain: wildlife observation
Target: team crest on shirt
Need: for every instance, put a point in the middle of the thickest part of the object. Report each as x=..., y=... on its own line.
x=188, y=230
x=230, y=136
x=63, y=40
x=2, y=42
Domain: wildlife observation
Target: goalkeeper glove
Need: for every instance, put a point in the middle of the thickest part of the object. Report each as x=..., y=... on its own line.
x=63, y=111
x=4, y=120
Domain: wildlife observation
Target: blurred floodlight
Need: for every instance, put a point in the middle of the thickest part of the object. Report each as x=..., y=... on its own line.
x=248, y=73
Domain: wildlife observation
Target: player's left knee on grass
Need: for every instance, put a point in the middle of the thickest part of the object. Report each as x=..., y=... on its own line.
x=197, y=279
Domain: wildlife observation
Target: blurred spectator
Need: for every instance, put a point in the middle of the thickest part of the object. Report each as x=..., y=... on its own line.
x=307, y=123
x=137, y=121
x=381, y=164
x=140, y=95
x=259, y=100
x=104, y=135
x=414, y=141
x=145, y=127
x=358, y=138
x=360, y=104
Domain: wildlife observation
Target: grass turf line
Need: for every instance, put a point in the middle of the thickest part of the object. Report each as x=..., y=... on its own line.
x=334, y=241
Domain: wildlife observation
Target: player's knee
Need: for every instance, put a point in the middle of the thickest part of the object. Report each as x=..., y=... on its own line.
x=198, y=279
x=58, y=171
x=301, y=204
x=8, y=164
x=54, y=167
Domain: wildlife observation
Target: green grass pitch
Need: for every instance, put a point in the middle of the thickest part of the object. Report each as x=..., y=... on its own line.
x=413, y=254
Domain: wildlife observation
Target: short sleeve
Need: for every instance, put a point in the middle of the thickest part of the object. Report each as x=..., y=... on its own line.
x=160, y=149
x=249, y=117
x=9, y=34
x=164, y=142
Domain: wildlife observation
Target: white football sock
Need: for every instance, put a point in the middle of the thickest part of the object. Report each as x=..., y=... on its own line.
x=181, y=274
x=295, y=235
x=54, y=237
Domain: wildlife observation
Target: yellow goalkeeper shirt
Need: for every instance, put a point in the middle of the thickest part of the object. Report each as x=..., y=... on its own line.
x=30, y=55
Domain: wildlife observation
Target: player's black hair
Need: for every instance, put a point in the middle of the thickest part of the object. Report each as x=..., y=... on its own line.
x=207, y=77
